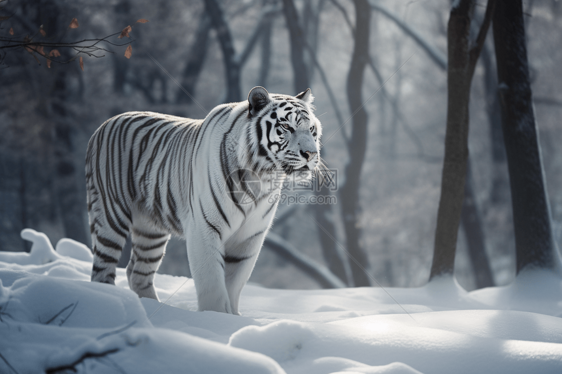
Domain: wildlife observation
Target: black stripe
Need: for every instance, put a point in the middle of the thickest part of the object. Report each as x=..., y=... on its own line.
x=97, y=269
x=109, y=243
x=268, y=211
x=147, y=235
x=146, y=287
x=233, y=259
x=261, y=149
x=149, y=259
x=224, y=163
x=150, y=247
x=217, y=204
x=143, y=273
x=209, y=223
x=105, y=258
x=173, y=219
x=253, y=236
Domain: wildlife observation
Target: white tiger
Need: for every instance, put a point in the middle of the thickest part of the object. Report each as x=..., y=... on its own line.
x=151, y=175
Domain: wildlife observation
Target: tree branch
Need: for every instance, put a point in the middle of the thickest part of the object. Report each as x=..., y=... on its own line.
x=481, y=38
x=252, y=41
x=431, y=51
x=326, y=84
x=316, y=271
x=345, y=15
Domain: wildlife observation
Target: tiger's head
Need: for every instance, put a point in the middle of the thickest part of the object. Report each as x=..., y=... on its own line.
x=287, y=134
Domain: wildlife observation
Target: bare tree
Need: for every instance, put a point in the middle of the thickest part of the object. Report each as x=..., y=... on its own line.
x=349, y=192
x=233, y=63
x=323, y=212
x=535, y=247
x=231, y=67
x=472, y=225
x=300, y=71
x=462, y=57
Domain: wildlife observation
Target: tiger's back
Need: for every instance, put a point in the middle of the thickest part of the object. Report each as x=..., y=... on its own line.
x=133, y=164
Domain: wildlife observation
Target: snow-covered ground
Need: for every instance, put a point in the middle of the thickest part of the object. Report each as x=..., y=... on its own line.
x=52, y=319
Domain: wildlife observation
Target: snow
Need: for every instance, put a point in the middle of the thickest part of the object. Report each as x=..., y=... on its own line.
x=52, y=317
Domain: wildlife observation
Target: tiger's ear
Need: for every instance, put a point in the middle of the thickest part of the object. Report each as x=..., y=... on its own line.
x=306, y=96
x=258, y=98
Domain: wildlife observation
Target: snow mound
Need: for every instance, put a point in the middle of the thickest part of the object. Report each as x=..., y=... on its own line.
x=49, y=323
x=72, y=248
x=281, y=340
x=345, y=366
x=533, y=291
x=42, y=251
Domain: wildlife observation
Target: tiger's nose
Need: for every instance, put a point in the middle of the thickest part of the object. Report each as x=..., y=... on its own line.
x=308, y=155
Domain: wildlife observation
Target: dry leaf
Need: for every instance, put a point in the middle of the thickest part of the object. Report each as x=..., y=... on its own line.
x=125, y=32
x=42, y=32
x=142, y=20
x=49, y=63
x=129, y=51
x=40, y=50
x=11, y=31
x=81, y=63
x=73, y=24
x=54, y=53
x=27, y=47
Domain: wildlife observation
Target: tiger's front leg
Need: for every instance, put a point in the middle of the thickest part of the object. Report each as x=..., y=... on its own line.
x=204, y=250
x=239, y=264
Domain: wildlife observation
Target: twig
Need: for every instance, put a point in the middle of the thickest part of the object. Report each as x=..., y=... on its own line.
x=73, y=306
x=7, y=363
x=105, y=335
x=82, y=358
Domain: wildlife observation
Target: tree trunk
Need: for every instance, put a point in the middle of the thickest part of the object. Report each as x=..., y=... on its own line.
x=122, y=14
x=358, y=144
x=231, y=66
x=265, y=62
x=460, y=68
x=472, y=225
x=195, y=59
x=72, y=203
x=11, y=213
x=499, y=192
x=300, y=74
x=334, y=258
x=535, y=247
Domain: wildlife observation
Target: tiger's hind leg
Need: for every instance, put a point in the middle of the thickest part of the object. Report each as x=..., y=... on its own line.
x=148, y=248
x=107, y=246
x=108, y=229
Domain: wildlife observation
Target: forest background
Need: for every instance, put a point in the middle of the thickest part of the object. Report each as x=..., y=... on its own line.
x=181, y=65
